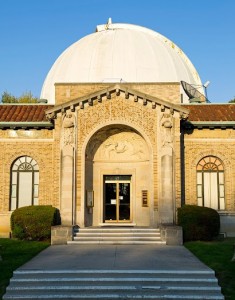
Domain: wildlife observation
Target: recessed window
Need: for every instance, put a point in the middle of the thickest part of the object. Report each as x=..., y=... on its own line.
x=210, y=183
x=24, y=182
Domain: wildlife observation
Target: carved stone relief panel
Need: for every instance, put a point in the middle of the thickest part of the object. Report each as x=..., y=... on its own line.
x=118, y=109
x=166, y=128
x=117, y=144
x=68, y=133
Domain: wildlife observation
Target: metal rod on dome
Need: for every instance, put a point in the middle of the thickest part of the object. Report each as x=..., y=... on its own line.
x=205, y=85
x=181, y=98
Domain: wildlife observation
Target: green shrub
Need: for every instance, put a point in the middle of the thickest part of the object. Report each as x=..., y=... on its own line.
x=198, y=223
x=34, y=222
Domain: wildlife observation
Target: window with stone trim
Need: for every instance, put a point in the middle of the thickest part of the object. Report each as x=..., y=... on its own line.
x=210, y=183
x=24, y=182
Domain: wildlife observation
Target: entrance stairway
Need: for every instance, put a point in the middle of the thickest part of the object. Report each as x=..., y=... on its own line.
x=117, y=284
x=117, y=235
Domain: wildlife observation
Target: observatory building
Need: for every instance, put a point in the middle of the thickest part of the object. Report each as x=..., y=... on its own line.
x=127, y=137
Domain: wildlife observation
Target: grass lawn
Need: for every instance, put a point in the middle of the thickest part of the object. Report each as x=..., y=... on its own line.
x=218, y=256
x=15, y=253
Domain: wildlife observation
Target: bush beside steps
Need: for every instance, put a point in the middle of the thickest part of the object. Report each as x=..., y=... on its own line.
x=198, y=223
x=34, y=222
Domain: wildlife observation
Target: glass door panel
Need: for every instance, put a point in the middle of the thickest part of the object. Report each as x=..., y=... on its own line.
x=124, y=201
x=110, y=201
x=117, y=198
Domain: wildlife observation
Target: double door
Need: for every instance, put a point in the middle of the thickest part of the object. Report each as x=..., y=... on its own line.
x=117, y=198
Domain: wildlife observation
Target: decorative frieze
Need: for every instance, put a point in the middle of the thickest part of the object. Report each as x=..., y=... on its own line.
x=117, y=90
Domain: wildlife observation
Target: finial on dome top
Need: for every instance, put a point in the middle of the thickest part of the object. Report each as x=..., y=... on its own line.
x=106, y=26
x=109, y=22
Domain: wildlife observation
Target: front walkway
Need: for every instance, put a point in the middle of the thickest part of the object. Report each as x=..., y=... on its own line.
x=115, y=257
x=110, y=272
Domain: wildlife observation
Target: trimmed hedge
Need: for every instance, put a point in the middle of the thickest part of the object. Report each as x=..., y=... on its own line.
x=198, y=223
x=34, y=222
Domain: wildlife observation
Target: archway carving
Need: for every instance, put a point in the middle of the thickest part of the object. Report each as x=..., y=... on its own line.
x=120, y=150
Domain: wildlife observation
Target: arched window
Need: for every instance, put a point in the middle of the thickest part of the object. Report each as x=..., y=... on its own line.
x=24, y=182
x=210, y=183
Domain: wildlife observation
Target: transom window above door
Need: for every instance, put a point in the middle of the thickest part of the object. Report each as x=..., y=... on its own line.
x=117, y=177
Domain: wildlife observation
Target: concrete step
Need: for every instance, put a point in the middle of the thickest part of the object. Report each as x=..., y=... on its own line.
x=116, y=273
x=112, y=242
x=117, y=230
x=121, y=294
x=117, y=235
x=117, y=238
x=126, y=231
x=113, y=284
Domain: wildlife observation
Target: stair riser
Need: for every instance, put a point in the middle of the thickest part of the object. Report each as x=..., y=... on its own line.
x=118, y=277
x=116, y=238
x=117, y=234
x=111, y=297
x=117, y=293
x=112, y=288
x=116, y=242
x=142, y=273
x=117, y=230
x=119, y=281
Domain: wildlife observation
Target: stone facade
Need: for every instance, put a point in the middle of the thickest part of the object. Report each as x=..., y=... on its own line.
x=105, y=130
x=39, y=144
x=134, y=129
x=206, y=142
x=218, y=143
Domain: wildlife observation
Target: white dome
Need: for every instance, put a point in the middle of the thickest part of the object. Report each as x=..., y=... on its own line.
x=120, y=52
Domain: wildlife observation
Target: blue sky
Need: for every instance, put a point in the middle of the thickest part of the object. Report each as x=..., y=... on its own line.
x=35, y=32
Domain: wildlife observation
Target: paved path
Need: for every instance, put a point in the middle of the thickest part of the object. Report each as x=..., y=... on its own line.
x=111, y=272
x=115, y=257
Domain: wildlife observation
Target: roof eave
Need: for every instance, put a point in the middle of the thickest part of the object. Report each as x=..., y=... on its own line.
x=26, y=125
x=212, y=124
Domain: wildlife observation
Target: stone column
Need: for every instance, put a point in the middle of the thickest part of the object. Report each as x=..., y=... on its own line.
x=67, y=170
x=166, y=205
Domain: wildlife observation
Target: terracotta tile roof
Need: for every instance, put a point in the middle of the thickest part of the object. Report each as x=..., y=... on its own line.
x=36, y=113
x=23, y=113
x=211, y=112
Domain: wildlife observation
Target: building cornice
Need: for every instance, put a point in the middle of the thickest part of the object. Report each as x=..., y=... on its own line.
x=82, y=102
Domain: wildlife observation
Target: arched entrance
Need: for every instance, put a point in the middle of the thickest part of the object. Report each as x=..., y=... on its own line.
x=117, y=175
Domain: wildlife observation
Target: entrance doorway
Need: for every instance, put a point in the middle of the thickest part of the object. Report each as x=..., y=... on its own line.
x=117, y=198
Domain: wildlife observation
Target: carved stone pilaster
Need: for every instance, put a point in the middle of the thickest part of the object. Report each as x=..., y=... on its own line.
x=67, y=168
x=166, y=205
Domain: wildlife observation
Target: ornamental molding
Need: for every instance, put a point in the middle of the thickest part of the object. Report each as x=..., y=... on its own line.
x=116, y=90
x=68, y=132
x=166, y=129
